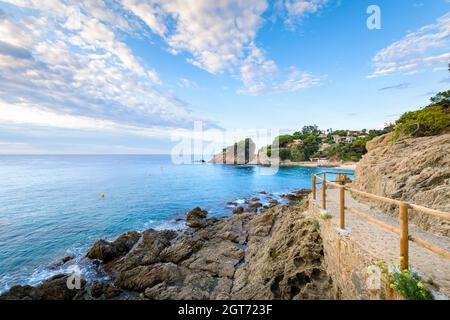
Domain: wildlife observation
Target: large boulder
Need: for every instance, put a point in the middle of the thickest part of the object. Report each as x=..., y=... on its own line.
x=196, y=286
x=196, y=218
x=297, y=195
x=218, y=257
x=54, y=288
x=142, y=277
x=181, y=249
x=147, y=251
x=107, y=251
x=284, y=259
x=415, y=170
x=238, y=210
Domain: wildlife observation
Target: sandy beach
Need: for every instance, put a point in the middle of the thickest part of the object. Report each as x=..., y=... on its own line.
x=334, y=165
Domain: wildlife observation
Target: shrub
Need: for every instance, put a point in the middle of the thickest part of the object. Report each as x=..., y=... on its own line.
x=297, y=154
x=409, y=285
x=428, y=121
x=284, y=153
x=326, y=216
x=283, y=140
x=315, y=224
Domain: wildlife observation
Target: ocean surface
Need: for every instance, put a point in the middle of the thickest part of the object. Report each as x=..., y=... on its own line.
x=52, y=206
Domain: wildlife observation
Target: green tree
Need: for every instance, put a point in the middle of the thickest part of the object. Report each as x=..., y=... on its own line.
x=314, y=130
x=297, y=154
x=310, y=145
x=283, y=140
x=340, y=133
x=285, y=154
x=428, y=121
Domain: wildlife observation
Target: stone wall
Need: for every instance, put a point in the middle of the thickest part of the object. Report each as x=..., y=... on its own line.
x=353, y=270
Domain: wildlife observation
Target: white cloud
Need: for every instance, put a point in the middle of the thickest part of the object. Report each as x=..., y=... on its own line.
x=65, y=64
x=31, y=115
x=296, y=10
x=187, y=84
x=298, y=81
x=423, y=48
x=71, y=60
x=256, y=70
x=218, y=35
x=154, y=76
x=150, y=13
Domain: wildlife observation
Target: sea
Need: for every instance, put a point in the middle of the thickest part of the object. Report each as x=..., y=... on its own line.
x=58, y=205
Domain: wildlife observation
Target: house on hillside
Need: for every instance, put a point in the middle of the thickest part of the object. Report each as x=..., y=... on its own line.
x=339, y=139
x=295, y=143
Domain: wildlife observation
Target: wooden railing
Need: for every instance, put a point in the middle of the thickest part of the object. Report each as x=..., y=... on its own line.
x=402, y=231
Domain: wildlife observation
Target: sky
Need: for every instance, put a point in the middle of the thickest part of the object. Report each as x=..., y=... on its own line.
x=133, y=76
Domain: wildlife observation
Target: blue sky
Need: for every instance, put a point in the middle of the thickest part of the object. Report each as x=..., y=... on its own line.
x=122, y=76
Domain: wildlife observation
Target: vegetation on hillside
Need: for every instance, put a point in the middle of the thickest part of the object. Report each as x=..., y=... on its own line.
x=428, y=121
x=346, y=145
x=351, y=151
x=310, y=142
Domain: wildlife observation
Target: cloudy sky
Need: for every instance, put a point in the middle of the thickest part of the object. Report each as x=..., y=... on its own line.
x=121, y=76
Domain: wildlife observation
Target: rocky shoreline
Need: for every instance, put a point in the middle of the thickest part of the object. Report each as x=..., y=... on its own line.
x=271, y=251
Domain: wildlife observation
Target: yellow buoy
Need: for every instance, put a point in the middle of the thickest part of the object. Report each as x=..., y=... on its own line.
x=103, y=194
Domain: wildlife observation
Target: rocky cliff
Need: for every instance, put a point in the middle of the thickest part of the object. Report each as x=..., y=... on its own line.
x=241, y=152
x=273, y=252
x=416, y=170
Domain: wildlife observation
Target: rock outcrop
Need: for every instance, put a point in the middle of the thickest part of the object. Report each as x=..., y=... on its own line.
x=54, y=288
x=283, y=259
x=274, y=254
x=242, y=152
x=416, y=170
x=196, y=218
x=106, y=251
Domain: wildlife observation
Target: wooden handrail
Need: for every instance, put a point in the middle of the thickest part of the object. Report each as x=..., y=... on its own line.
x=374, y=197
x=403, y=231
x=429, y=211
x=433, y=212
x=397, y=231
x=430, y=247
x=374, y=220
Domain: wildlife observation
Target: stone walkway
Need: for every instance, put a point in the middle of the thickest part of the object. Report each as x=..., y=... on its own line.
x=385, y=244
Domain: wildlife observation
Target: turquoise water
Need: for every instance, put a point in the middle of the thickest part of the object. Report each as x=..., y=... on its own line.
x=51, y=206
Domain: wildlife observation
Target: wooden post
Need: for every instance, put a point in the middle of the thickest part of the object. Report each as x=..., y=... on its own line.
x=324, y=192
x=342, y=207
x=314, y=186
x=404, y=237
